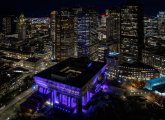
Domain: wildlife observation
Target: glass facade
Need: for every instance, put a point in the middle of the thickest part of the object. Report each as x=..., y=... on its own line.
x=132, y=40
x=86, y=25
x=113, y=29
x=62, y=31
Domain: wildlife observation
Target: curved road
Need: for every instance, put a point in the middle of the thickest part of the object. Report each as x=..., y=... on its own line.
x=9, y=109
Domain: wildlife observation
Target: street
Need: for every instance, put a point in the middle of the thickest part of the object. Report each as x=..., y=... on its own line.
x=8, y=111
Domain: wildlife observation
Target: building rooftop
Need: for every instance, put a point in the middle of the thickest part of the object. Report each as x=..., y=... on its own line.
x=156, y=83
x=157, y=80
x=138, y=65
x=72, y=71
x=10, y=59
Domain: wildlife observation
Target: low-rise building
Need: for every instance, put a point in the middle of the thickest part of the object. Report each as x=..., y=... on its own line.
x=138, y=71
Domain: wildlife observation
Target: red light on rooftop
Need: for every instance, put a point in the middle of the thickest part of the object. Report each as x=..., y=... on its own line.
x=105, y=14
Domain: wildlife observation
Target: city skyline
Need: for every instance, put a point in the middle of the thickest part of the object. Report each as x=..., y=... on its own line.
x=43, y=8
x=82, y=60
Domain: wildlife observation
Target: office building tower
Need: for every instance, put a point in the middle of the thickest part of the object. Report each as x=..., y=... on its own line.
x=6, y=25
x=62, y=33
x=102, y=35
x=86, y=33
x=113, y=61
x=9, y=25
x=131, y=34
x=102, y=49
x=113, y=29
x=53, y=32
x=150, y=27
x=161, y=23
x=21, y=27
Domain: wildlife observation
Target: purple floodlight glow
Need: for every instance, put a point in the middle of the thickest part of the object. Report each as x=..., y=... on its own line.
x=41, y=90
x=39, y=79
x=64, y=100
x=83, y=101
x=63, y=96
x=73, y=102
x=55, y=85
x=96, y=77
x=91, y=95
x=88, y=96
x=69, y=104
x=105, y=88
x=84, y=111
x=89, y=65
x=57, y=102
x=103, y=69
x=75, y=111
x=42, y=84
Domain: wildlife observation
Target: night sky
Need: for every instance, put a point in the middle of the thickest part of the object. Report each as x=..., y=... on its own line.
x=43, y=7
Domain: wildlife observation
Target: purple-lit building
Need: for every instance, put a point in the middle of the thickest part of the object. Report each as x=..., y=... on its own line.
x=71, y=83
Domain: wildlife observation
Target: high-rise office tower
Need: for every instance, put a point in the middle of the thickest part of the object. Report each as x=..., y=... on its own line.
x=62, y=32
x=21, y=27
x=8, y=25
x=86, y=33
x=150, y=27
x=132, y=30
x=76, y=11
x=113, y=29
x=102, y=35
x=161, y=23
x=53, y=32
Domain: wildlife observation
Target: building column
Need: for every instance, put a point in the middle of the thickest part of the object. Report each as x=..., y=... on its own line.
x=85, y=98
x=71, y=102
x=88, y=96
x=60, y=98
x=68, y=101
x=52, y=97
x=79, y=105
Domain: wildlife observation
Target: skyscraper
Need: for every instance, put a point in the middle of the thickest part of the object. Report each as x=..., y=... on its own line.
x=132, y=35
x=21, y=27
x=102, y=34
x=86, y=33
x=62, y=33
x=150, y=27
x=113, y=29
x=53, y=32
x=161, y=23
x=8, y=25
